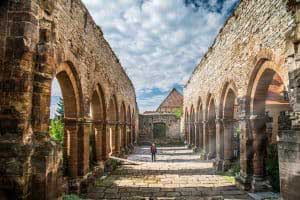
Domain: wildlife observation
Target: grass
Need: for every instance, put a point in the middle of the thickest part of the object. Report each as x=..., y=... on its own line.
x=71, y=197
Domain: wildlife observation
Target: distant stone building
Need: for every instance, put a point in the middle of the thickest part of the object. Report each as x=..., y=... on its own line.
x=163, y=125
x=172, y=104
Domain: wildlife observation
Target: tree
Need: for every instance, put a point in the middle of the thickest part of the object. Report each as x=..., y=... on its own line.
x=57, y=125
x=60, y=111
x=57, y=130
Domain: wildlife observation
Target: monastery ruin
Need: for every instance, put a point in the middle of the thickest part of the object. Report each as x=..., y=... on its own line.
x=242, y=99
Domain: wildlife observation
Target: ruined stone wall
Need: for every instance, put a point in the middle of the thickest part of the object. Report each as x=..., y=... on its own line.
x=146, y=128
x=39, y=40
x=261, y=35
x=256, y=30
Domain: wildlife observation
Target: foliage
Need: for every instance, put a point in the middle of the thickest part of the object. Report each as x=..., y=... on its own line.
x=71, y=197
x=57, y=130
x=272, y=167
x=57, y=125
x=235, y=168
x=60, y=111
x=178, y=112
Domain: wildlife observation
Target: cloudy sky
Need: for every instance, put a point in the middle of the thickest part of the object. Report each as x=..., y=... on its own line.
x=159, y=42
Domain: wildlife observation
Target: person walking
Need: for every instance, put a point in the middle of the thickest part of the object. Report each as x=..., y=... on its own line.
x=153, y=152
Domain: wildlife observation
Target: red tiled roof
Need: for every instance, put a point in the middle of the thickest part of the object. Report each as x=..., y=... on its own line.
x=173, y=100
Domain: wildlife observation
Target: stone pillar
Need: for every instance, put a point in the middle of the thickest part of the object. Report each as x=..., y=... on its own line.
x=219, y=144
x=70, y=151
x=200, y=131
x=243, y=180
x=196, y=134
x=117, y=140
x=98, y=129
x=228, y=126
x=84, y=129
x=258, y=126
x=205, y=137
x=212, y=139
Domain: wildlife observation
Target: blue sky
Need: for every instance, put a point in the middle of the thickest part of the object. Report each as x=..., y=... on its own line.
x=159, y=42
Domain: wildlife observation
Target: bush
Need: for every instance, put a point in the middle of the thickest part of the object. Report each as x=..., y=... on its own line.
x=57, y=130
x=272, y=167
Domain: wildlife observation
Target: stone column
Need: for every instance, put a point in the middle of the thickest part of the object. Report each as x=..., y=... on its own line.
x=200, y=131
x=219, y=144
x=228, y=126
x=258, y=126
x=84, y=130
x=70, y=151
x=98, y=130
x=243, y=180
x=205, y=137
x=117, y=139
x=212, y=139
x=196, y=134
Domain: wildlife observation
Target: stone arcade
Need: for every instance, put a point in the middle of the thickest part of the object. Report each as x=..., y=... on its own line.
x=242, y=97
x=40, y=40
x=248, y=83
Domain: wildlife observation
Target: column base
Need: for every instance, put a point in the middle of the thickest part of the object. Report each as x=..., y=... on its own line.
x=226, y=165
x=260, y=184
x=210, y=156
x=218, y=164
x=243, y=182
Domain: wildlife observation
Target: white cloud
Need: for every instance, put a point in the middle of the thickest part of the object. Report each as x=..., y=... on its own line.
x=159, y=42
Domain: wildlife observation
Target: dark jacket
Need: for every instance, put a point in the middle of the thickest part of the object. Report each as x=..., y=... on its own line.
x=153, y=149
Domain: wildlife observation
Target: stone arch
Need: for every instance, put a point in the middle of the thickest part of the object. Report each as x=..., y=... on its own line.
x=73, y=109
x=267, y=99
x=112, y=126
x=228, y=140
x=123, y=126
x=97, y=135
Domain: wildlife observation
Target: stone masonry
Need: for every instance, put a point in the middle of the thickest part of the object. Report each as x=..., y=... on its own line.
x=247, y=83
x=40, y=40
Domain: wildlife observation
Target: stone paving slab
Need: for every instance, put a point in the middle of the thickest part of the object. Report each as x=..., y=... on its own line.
x=177, y=174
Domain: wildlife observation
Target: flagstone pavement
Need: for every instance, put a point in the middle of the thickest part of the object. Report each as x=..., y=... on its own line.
x=177, y=174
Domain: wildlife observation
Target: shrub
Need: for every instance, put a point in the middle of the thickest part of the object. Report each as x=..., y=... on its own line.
x=57, y=130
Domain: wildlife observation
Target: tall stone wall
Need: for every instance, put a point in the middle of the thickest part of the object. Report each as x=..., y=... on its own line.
x=40, y=40
x=261, y=36
x=256, y=30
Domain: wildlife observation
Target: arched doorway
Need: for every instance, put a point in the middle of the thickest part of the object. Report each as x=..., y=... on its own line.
x=268, y=99
x=211, y=128
x=159, y=130
x=231, y=134
x=112, y=127
x=70, y=91
x=98, y=127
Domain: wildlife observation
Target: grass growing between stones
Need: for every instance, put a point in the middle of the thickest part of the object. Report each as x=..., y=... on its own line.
x=71, y=197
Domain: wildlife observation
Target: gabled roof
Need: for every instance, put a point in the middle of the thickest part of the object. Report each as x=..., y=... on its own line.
x=174, y=99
